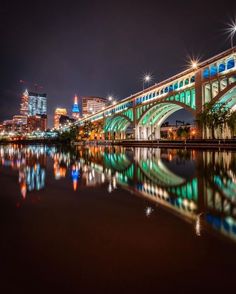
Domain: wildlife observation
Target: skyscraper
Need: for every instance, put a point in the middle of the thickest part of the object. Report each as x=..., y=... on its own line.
x=75, y=108
x=24, y=106
x=37, y=104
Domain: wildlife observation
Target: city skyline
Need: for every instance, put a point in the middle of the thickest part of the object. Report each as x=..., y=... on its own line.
x=105, y=55
x=117, y=146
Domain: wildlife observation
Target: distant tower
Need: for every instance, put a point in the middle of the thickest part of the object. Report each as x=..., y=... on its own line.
x=75, y=108
x=24, y=106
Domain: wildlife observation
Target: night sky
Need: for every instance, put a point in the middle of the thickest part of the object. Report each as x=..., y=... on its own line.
x=102, y=47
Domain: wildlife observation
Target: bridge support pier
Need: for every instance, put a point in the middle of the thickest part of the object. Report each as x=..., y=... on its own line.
x=157, y=133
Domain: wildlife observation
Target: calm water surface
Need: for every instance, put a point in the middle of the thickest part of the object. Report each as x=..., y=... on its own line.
x=117, y=220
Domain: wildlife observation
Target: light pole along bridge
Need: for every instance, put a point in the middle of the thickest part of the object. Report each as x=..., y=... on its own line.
x=144, y=112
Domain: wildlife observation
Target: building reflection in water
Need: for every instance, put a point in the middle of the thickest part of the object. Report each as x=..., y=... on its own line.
x=199, y=187
x=75, y=175
x=30, y=161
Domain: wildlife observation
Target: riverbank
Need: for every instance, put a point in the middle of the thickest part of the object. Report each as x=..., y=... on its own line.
x=196, y=144
x=226, y=144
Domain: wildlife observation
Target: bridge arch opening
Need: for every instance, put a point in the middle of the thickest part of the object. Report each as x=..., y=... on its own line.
x=226, y=98
x=117, y=127
x=149, y=126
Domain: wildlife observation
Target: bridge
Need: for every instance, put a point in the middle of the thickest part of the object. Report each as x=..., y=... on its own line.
x=144, y=112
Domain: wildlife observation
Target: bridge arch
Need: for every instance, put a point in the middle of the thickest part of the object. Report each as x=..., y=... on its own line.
x=149, y=124
x=227, y=96
x=158, y=173
x=115, y=126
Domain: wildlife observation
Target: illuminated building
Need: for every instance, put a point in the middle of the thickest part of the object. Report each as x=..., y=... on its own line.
x=20, y=119
x=17, y=124
x=37, y=104
x=37, y=122
x=24, y=106
x=58, y=113
x=92, y=104
x=75, y=108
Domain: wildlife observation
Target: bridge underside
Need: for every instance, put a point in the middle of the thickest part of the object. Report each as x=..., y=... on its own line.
x=228, y=99
x=116, y=127
x=149, y=125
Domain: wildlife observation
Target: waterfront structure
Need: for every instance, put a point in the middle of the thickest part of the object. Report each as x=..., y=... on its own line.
x=37, y=104
x=75, y=108
x=92, y=104
x=213, y=80
x=57, y=115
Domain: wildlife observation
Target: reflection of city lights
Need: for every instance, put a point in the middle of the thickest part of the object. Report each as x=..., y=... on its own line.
x=23, y=190
x=114, y=182
x=148, y=211
x=109, y=188
x=103, y=178
x=198, y=225
x=75, y=176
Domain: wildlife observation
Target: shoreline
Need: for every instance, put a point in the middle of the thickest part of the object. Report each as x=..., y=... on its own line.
x=186, y=144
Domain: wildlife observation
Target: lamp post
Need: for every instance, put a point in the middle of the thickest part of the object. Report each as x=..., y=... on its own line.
x=146, y=79
x=111, y=100
x=194, y=64
x=232, y=33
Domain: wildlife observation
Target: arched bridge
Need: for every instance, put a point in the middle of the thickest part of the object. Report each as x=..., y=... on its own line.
x=143, y=113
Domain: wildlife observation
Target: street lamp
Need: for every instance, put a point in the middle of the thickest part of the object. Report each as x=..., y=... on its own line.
x=232, y=33
x=194, y=64
x=146, y=79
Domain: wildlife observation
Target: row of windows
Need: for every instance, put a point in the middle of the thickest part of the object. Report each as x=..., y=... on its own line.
x=215, y=69
x=169, y=89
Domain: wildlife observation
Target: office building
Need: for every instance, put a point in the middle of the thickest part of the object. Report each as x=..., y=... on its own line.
x=37, y=123
x=91, y=104
x=57, y=114
x=37, y=104
x=24, y=106
x=33, y=104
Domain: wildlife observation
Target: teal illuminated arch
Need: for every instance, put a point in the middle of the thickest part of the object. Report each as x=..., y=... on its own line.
x=159, y=112
x=158, y=173
x=118, y=123
x=228, y=95
x=117, y=162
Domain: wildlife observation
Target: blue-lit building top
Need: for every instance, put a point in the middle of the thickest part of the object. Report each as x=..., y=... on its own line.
x=75, y=108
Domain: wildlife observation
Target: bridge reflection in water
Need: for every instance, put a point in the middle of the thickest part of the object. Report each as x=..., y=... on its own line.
x=198, y=186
